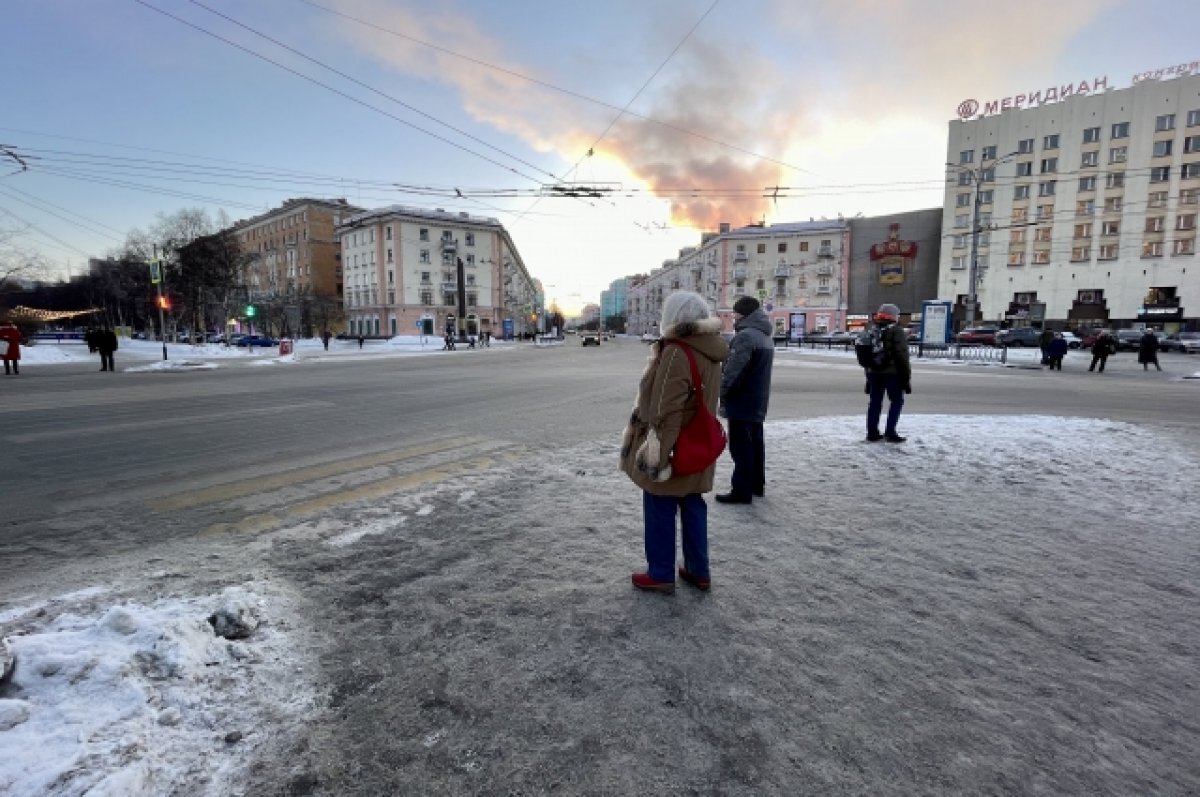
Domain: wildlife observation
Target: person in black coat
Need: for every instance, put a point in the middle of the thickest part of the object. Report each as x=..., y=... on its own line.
x=1148, y=350
x=745, y=391
x=1105, y=345
x=106, y=343
x=1056, y=350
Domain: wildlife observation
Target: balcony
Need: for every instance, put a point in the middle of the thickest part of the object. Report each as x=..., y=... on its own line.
x=450, y=286
x=825, y=269
x=449, y=246
x=741, y=255
x=824, y=290
x=739, y=273
x=783, y=271
x=825, y=251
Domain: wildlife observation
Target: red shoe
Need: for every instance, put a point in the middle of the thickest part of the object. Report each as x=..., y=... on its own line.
x=643, y=582
x=702, y=584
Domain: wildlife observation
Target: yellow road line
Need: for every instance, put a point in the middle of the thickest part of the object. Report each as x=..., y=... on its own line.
x=264, y=521
x=251, y=486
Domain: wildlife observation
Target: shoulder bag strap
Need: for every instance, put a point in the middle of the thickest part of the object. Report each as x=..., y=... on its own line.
x=696, y=383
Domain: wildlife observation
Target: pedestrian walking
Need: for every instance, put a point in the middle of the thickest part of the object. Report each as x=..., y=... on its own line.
x=666, y=401
x=1056, y=351
x=10, y=348
x=1044, y=341
x=360, y=341
x=325, y=336
x=106, y=343
x=448, y=342
x=1148, y=350
x=1101, y=349
x=889, y=373
x=745, y=392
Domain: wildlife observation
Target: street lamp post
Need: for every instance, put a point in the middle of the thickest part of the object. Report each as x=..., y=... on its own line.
x=156, y=274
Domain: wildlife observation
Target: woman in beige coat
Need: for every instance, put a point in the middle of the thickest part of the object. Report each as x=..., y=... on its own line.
x=666, y=402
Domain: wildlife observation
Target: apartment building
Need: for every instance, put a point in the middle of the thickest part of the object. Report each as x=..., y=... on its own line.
x=1086, y=208
x=401, y=272
x=799, y=271
x=293, y=250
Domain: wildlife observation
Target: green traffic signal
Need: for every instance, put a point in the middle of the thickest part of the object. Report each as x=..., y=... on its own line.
x=251, y=310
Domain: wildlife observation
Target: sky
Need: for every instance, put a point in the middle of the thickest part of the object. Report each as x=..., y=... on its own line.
x=678, y=114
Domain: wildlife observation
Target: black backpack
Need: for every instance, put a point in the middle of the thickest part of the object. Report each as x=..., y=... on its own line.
x=872, y=351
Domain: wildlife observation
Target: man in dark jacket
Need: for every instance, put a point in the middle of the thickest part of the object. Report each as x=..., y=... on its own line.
x=1148, y=350
x=893, y=378
x=1104, y=346
x=745, y=389
x=106, y=344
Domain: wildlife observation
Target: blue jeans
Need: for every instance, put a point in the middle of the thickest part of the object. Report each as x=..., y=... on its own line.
x=659, y=513
x=749, y=457
x=880, y=384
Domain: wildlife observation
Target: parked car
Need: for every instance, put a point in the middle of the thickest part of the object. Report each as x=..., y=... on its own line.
x=261, y=341
x=1187, y=342
x=649, y=337
x=1089, y=337
x=1129, y=339
x=1073, y=340
x=978, y=336
x=590, y=338
x=912, y=333
x=1019, y=337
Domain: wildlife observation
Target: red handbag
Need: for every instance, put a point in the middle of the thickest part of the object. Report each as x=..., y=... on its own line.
x=702, y=439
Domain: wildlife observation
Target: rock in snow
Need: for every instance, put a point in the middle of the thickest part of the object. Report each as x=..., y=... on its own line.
x=236, y=618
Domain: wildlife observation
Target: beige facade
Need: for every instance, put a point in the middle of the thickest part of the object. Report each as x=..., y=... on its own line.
x=293, y=249
x=400, y=269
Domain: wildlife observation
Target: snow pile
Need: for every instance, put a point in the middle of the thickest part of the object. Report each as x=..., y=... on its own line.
x=168, y=366
x=144, y=699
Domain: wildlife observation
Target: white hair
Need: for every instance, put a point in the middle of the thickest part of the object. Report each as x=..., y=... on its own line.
x=683, y=307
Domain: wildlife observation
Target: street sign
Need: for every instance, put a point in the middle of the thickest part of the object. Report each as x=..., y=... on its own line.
x=155, y=272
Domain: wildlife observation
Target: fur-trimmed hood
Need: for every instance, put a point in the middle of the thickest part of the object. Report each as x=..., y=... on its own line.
x=704, y=336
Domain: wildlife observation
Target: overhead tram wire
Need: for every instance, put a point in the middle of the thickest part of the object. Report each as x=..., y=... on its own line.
x=632, y=99
x=45, y=234
x=339, y=92
x=553, y=87
x=36, y=204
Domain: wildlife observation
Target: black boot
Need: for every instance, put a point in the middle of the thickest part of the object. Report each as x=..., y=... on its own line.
x=733, y=498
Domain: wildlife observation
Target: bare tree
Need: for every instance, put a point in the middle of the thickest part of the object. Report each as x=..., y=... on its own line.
x=18, y=265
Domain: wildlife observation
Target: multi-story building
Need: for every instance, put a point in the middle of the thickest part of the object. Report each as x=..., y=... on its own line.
x=402, y=270
x=799, y=271
x=292, y=249
x=612, y=301
x=1086, y=209
x=893, y=259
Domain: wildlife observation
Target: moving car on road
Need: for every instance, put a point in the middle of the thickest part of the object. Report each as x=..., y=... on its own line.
x=978, y=336
x=590, y=338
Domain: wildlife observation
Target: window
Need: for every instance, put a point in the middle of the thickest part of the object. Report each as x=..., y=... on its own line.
x=1113, y=204
x=1186, y=246
x=1191, y=145
x=389, y=253
x=1016, y=237
x=1050, y=141
x=1042, y=235
x=1016, y=257
x=391, y=297
x=782, y=248
x=1152, y=249
x=1118, y=154
x=804, y=246
x=1025, y=146
x=988, y=153
x=966, y=156
x=985, y=219
x=959, y=262
x=1158, y=199
x=1108, y=252
x=424, y=276
x=1120, y=130
x=1045, y=212
x=1019, y=214
x=1049, y=165
x=1083, y=231
x=424, y=255
x=760, y=284
x=1111, y=228
x=387, y=233
x=987, y=175
x=1024, y=169
x=985, y=197
x=1186, y=221
x=470, y=261
x=470, y=239
x=1193, y=118
x=960, y=242
x=962, y=220
x=1090, y=158
x=1162, y=149
x=1155, y=224
x=740, y=285
x=1079, y=253
x=1164, y=122
x=1021, y=192
x=1160, y=174
x=1041, y=257
x=964, y=178
x=391, y=278
x=1189, y=170
x=963, y=200
x=1115, y=180
x=1189, y=196
x=424, y=236
x=447, y=235
x=1087, y=183
x=1085, y=207
x=1091, y=135
x=760, y=249
x=1046, y=188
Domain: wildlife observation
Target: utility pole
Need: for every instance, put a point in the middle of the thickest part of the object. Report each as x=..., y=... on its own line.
x=156, y=275
x=976, y=175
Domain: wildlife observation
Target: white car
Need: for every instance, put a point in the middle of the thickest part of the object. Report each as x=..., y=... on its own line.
x=590, y=339
x=1073, y=340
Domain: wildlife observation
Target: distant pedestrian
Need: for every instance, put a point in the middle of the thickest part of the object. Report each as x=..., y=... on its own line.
x=10, y=348
x=1148, y=350
x=325, y=336
x=665, y=401
x=448, y=342
x=106, y=343
x=892, y=376
x=1056, y=351
x=1044, y=341
x=745, y=393
x=360, y=341
x=1101, y=349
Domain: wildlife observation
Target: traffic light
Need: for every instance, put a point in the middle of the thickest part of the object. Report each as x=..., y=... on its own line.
x=251, y=311
x=164, y=303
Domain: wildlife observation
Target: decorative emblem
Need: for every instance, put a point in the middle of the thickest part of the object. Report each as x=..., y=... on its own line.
x=968, y=108
x=894, y=257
